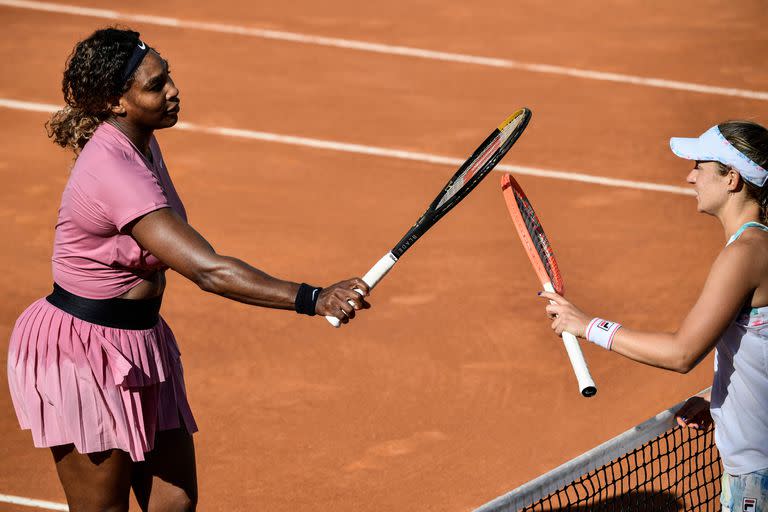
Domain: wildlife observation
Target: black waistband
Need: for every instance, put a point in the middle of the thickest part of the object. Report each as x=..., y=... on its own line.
x=118, y=313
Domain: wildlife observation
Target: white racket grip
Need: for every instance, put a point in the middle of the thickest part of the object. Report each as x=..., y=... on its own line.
x=586, y=384
x=372, y=278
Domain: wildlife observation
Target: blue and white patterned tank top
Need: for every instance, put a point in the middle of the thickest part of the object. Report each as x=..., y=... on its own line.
x=740, y=389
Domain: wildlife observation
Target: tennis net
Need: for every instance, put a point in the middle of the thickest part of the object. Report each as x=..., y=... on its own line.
x=655, y=466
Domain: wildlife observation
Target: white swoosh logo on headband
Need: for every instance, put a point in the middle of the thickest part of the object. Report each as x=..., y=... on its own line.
x=141, y=45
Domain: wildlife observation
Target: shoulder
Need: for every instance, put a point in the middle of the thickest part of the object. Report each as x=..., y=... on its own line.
x=104, y=147
x=747, y=255
x=752, y=242
x=104, y=162
x=754, y=236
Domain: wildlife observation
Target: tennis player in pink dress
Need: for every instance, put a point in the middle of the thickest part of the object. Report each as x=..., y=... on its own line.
x=94, y=371
x=730, y=178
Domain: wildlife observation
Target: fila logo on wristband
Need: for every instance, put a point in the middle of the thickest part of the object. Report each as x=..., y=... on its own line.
x=601, y=332
x=604, y=325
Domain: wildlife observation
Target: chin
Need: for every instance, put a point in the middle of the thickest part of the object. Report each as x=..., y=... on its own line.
x=169, y=121
x=704, y=210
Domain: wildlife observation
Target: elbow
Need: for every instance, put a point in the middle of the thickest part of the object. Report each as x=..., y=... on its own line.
x=205, y=281
x=684, y=364
x=210, y=279
x=683, y=354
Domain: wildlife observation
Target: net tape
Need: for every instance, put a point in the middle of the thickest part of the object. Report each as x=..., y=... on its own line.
x=656, y=466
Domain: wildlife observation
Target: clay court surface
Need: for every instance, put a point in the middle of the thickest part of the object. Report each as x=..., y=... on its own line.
x=452, y=390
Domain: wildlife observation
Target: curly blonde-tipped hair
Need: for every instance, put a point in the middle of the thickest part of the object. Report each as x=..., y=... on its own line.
x=92, y=83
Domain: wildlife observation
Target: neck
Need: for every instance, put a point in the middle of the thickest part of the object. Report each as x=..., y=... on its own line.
x=736, y=213
x=138, y=136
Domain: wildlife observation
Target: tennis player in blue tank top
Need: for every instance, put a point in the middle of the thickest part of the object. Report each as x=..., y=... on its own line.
x=730, y=316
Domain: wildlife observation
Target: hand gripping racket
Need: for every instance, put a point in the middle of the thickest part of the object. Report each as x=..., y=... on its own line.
x=542, y=258
x=477, y=167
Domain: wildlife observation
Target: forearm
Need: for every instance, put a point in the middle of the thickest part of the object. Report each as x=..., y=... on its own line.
x=731, y=281
x=178, y=245
x=662, y=350
x=236, y=280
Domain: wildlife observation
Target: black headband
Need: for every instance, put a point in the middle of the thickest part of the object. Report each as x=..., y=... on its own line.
x=139, y=51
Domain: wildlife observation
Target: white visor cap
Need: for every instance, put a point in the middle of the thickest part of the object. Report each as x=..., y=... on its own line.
x=711, y=145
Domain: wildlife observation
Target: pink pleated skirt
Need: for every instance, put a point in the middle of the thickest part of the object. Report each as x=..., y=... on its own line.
x=96, y=387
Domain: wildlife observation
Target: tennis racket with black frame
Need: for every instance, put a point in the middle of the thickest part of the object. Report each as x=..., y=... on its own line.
x=539, y=251
x=471, y=172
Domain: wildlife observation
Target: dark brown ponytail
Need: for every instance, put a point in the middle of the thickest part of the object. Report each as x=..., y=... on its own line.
x=751, y=139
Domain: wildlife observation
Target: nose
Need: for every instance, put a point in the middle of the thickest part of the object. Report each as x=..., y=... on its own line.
x=173, y=91
x=691, y=178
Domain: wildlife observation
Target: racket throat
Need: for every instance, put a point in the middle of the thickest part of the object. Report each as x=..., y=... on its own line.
x=403, y=245
x=424, y=223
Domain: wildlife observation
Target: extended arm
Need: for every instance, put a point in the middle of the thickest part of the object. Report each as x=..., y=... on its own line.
x=731, y=281
x=174, y=242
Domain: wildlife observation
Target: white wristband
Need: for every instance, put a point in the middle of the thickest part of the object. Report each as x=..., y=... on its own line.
x=601, y=332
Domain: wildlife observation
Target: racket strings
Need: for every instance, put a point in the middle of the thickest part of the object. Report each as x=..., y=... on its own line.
x=479, y=162
x=540, y=241
x=466, y=176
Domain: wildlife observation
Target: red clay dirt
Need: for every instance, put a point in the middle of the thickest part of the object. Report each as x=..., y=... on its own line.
x=451, y=390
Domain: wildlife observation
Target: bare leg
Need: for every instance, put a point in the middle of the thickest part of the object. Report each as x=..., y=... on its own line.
x=94, y=482
x=167, y=480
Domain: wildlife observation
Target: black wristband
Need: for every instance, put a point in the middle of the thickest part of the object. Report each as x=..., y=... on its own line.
x=306, y=299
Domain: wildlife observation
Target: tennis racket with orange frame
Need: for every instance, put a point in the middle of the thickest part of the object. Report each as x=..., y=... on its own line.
x=539, y=251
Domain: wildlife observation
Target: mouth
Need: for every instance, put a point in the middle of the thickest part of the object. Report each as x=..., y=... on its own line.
x=174, y=110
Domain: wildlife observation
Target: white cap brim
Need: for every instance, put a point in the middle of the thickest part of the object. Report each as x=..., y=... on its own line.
x=690, y=149
x=713, y=146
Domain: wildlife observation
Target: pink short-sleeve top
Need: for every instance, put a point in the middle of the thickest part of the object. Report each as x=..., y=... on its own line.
x=111, y=185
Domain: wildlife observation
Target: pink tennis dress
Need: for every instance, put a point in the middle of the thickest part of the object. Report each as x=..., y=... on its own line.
x=77, y=382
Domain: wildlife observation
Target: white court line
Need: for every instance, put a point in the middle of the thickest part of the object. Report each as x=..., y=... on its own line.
x=27, y=502
x=407, y=51
x=383, y=152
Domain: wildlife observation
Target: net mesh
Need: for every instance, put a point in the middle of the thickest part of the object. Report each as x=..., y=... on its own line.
x=655, y=466
x=679, y=470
